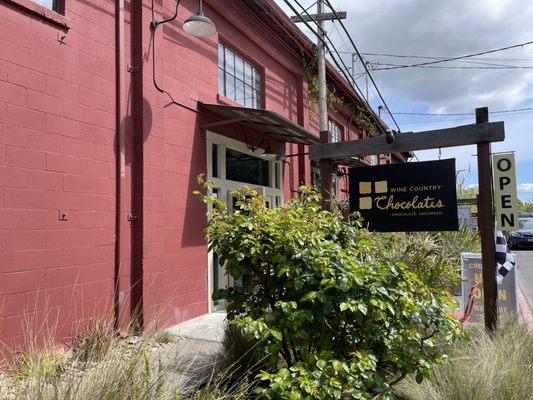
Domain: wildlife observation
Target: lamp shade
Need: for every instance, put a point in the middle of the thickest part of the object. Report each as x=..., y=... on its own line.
x=199, y=25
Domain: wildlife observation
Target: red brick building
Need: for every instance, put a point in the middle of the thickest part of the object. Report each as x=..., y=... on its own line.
x=98, y=166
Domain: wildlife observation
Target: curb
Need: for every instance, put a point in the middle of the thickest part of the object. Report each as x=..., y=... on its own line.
x=525, y=309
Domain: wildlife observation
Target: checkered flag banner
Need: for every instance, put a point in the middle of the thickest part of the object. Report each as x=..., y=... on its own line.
x=504, y=259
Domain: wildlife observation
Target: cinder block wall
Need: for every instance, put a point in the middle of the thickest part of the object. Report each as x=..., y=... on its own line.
x=57, y=156
x=57, y=131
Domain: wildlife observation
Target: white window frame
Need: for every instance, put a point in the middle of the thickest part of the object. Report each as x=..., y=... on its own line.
x=273, y=195
x=335, y=135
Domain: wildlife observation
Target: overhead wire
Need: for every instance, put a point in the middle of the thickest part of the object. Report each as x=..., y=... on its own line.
x=387, y=65
x=528, y=109
x=362, y=62
x=458, y=57
x=341, y=70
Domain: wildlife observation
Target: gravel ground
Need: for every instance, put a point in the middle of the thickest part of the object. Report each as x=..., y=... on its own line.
x=187, y=362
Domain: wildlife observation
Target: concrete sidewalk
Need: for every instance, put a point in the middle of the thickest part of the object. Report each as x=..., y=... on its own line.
x=208, y=327
x=525, y=285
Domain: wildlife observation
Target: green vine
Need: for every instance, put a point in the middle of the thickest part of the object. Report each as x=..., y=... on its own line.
x=310, y=68
x=362, y=117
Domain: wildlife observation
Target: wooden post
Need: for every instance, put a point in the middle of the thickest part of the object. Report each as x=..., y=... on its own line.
x=326, y=175
x=486, y=226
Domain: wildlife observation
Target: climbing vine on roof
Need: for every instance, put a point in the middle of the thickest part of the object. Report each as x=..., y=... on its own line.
x=362, y=116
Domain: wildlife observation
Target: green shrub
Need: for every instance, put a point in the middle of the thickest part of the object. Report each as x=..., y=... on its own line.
x=434, y=257
x=498, y=368
x=332, y=323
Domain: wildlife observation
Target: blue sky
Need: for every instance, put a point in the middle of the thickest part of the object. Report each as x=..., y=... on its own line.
x=447, y=29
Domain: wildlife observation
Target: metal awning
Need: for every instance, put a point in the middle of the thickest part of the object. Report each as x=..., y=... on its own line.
x=264, y=121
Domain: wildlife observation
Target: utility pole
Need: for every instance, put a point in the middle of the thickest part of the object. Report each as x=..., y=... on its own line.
x=326, y=166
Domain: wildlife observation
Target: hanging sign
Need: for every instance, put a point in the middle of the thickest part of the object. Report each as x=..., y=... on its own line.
x=505, y=197
x=471, y=273
x=406, y=197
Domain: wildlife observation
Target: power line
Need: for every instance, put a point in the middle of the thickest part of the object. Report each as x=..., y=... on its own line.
x=396, y=66
x=363, y=63
x=341, y=70
x=529, y=109
x=438, y=57
x=458, y=57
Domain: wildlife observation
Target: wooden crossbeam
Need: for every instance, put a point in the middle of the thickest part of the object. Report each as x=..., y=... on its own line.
x=411, y=141
x=319, y=17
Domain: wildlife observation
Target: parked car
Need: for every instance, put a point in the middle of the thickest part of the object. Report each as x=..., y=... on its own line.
x=523, y=237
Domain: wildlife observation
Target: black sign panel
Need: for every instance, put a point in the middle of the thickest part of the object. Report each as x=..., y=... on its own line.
x=406, y=197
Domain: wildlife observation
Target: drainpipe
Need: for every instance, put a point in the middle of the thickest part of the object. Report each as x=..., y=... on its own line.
x=120, y=151
x=137, y=166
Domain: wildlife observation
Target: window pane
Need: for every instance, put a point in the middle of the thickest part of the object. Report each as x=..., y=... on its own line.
x=258, y=98
x=276, y=177
x=220, y=55
x=245, y=168
x=239, y=67
x=230, y=86
x=221, y=82
x=258, y=79
x=46, y=3
x=247, y=96
x=230, y=61
x=247, y=73
x=239, y=91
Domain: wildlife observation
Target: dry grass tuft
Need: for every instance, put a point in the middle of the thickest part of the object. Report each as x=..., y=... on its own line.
x=498, y=368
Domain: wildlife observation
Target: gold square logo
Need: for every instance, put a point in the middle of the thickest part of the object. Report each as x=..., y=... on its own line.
x=365, y=187
x=381, y=187
x=365, y=203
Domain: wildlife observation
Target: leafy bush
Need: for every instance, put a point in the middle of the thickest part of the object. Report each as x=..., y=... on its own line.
x=499, y=368
x=332, y=322
x=434, y=257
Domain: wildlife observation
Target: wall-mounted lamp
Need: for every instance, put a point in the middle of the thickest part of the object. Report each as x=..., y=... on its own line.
x=197, y=25
x=263, y=149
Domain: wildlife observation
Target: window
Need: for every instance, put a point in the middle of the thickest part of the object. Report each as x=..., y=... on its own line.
x=373, y=159
x=335, y=132
x=246, y=168
x=238, y=80
x=50, y=4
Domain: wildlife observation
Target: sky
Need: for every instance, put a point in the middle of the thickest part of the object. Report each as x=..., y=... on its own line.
x=447, y=28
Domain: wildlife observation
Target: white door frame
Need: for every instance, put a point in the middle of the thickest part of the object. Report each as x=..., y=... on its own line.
x=273, y=193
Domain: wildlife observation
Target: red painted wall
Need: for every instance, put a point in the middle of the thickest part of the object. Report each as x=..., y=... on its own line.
x=58, y=155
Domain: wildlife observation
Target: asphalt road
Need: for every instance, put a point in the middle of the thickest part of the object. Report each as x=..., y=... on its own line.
x=525, y=273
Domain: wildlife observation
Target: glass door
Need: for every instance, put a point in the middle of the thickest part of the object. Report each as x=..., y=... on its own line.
x=230, y=165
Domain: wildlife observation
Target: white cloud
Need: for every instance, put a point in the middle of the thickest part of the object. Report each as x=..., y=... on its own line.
x=525, y=188
x=448, y=28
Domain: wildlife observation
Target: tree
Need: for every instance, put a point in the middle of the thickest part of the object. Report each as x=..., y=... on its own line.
x=331, y=322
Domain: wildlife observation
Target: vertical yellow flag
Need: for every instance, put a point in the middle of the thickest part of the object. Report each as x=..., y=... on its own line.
x=505, y=197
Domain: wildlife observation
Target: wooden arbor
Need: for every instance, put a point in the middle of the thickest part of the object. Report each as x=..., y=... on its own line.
x=482, y=133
